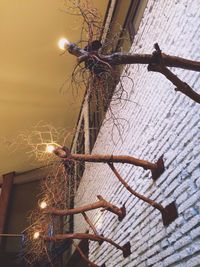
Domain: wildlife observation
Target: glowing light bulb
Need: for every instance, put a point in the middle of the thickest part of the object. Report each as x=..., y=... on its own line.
x=50, y=148
x=43, y=204
x=63, y=43
x=36, y=235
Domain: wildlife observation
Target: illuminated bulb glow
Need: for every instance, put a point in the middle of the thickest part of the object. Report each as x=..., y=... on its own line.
x=63, y=43
x=43, y=205
x=50, y=148
x=36, y=235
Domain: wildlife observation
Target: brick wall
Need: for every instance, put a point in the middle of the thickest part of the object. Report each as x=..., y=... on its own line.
x=160, y=121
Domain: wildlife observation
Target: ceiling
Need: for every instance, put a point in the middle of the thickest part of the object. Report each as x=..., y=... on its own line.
x=32, y=72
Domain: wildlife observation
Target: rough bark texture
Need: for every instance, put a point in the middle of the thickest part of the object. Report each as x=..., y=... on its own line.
x=102, y=203
x=140, y=196
x=151, y=60
x=81, y=236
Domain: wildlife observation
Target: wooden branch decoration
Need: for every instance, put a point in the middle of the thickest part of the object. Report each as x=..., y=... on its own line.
x=180, y=85
x=169, y=213
x=89, y=222
x=94, y=58
x=156, y=168
x=90, y=264
x=102, y=203
x=125, y=248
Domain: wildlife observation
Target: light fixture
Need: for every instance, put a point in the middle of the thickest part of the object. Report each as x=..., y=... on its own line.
x=36, y=235
x=63, y=43
x=50, y=148
x=43, y=204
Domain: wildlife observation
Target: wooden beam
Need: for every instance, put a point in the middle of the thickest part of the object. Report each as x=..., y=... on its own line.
x=30, y=176
x=4, y=199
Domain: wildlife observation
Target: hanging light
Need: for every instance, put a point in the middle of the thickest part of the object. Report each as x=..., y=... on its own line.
x=50, y=148
x=63, y=43
x=36, y=235
x=43, y=204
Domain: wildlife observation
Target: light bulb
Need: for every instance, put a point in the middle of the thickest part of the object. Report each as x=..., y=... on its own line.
x=36, y=235
x=50, y=148
x=43, y=204
x=63, y=43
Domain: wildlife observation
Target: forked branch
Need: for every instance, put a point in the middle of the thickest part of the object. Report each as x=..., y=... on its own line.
x=157, y=62
x=120, y=58
x=125, y=249
x=133, y=192
x=102, y=203
x=169, y=213
x=180, y=85
x=156, y=168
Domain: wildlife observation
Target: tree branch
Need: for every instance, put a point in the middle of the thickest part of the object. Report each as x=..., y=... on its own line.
x=133, y=192
x=157, y=62
x=126, y=58
x=156, y=168
x=102, y=203
x=125, y=249
x=180, y=85
x=90, y=264
x=87, y=219
x=169, y=213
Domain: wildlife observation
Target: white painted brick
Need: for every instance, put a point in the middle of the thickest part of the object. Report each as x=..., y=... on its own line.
x=171, y=259
x=160, y=121
x=191, y=212
x=190, y=224
x=195, y=247
x=185, y=253
x=195, y=232
x=182, y=242
x=198, y=182
x=194, y=262
x=182, y=198
x=189, y=202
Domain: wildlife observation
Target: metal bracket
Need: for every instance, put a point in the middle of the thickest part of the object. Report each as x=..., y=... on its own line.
x=159, y=170
x=123, y=210
x=169, y=214
x=127, y=249
x=101, y=241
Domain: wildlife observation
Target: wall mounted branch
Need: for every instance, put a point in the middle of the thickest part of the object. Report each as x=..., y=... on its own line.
x=125, y=248
x=153, y=60
x=169, y=213
x=156, y=168
x=102, y=203
x=89, y=222
x=180, y=85
x=90, y=264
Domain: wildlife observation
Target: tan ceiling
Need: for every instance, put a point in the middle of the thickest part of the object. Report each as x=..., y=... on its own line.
x=32, y=72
